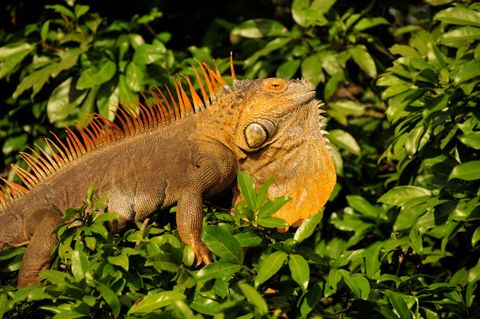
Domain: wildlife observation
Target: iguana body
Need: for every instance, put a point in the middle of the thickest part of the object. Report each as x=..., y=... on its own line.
x=170, y=155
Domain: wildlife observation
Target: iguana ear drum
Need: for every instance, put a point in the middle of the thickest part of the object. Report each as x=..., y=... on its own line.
x=257, y=133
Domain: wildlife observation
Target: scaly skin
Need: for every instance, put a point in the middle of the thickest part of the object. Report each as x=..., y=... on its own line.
x=265, y=127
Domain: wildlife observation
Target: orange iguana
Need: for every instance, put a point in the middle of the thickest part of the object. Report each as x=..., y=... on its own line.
x=177, y=150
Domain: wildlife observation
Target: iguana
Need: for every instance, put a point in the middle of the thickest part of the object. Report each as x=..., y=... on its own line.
x=174, y=150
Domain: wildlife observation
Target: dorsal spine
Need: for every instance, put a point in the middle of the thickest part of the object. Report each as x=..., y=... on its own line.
x=100, y=131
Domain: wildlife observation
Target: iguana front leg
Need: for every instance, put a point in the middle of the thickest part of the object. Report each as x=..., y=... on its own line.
x=189, y=224
x=211, y=170
x=39, y=253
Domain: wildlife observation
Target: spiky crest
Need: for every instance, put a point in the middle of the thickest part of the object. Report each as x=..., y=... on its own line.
x=101, y=131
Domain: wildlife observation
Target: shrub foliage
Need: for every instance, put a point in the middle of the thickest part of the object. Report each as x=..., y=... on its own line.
x=400, y=235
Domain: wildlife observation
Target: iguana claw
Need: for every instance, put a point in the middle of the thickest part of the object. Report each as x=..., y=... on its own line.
x=202, y=254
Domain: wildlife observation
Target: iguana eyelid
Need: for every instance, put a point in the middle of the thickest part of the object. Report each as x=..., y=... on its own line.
x=258, y=132
x=275, y=85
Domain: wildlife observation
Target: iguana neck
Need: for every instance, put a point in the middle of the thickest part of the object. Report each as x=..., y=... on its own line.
x=219, y=123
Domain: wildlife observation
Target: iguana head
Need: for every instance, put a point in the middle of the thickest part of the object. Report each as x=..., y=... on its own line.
x=279, y=132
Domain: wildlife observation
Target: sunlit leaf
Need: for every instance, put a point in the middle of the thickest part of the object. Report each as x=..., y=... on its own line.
x=270, y=265
x=79, y=264
x=247, y=187
x=344, y=140
x=92, y=77
x=459, y=15
x=307, y=227
x=469, y=171
x=364, y=60
x=217, y=270
x=223, y=244
x=300, y=270
x=399, y=195
x=260, y=28
x=149, y=53
x=155, y=301
x=254, y=297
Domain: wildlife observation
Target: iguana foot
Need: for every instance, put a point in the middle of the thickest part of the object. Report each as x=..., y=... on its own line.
x=202, y=254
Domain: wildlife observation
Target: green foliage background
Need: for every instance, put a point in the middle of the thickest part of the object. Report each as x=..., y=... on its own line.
x=400, y=235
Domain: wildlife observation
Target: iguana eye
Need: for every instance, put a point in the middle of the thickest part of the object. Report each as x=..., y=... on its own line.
x=275, y=85
x=257, y=133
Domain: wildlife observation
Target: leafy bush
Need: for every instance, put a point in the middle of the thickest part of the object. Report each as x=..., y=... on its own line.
x=399, y=237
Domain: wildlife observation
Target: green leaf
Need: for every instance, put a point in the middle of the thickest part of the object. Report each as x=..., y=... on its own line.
x=471, y=139
x=333, y=278
x=362, y=206
x=80, y=10
x=248, y=239
x=63, y=101
x=217, y=270
x=35, y=80
x=400, y=195
x=270, y=265
x=125, y=94
x=311, y=299
x=149, y=53
x=68, y=59
x=247, y=187
x=262, y=193
x=288, y=69
x=364, y=60
x=475, y=236
x=347, y=107
x=307, y=227
x=271, y=46
x=372, y=262
x=357, y=283
x=254, y=298
x=223, y=244
x=460, y=36
x=105, y=217
x=79, y=264
x=134, y=76
x=403, y=50
x=272, y=206
x=272, y=222
x=93, y=77
x=469, y=171
x=299, y=270
x=62, y=10
x=12, y=49
x=154, y=302
x=332, y=84
x=366, y=23
x=110, y=297
x=467, y=71
x=398, y=301
x=204, y=305
x=11, y=55
x=459, y=15
x=152, y=16
x=344, y=140
x=260, y=28
x=98, y=228
x=312, y=69
x=119, y=260
x=408, y=217
x=14, y=143
x=59, y=278
x=307, y=13
x=416, y=240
